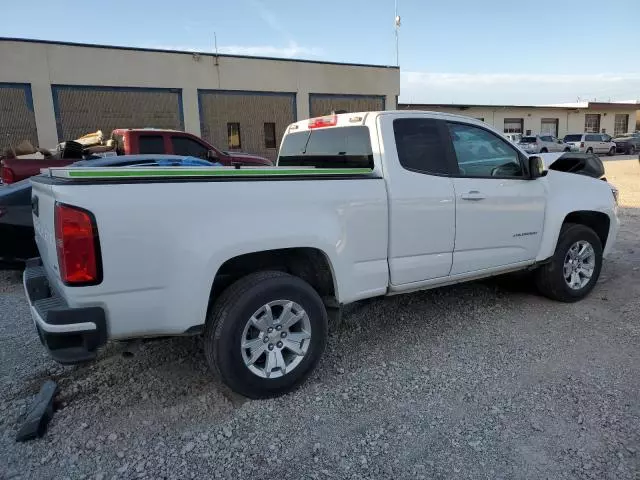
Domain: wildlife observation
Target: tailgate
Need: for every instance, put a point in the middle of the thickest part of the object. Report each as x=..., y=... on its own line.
x=42, y=206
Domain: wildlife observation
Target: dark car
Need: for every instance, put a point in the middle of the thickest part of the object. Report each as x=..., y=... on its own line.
x=17, y=239
x=16, y=227
x=628, y=143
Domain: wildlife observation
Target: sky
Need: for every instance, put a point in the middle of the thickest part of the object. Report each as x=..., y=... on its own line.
x=450, y=51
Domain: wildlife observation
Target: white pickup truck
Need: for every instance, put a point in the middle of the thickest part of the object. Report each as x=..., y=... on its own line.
x=257, y=259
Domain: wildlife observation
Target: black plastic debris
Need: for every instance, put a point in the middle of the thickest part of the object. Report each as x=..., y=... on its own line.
x=40, y=413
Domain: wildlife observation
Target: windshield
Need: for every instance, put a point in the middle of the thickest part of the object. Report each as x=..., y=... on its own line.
x=573, y=138
x=528, y=140
x=345, y=147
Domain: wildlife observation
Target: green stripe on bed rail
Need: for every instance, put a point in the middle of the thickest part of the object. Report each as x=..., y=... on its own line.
x=272, y=172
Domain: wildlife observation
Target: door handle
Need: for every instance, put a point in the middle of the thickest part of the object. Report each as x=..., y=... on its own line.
x=474, y=195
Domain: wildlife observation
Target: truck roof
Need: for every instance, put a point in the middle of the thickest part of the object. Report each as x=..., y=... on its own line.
x=359, y=118
x=147, y=129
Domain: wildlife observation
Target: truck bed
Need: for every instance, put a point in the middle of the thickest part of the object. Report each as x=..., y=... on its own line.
x=175, y=224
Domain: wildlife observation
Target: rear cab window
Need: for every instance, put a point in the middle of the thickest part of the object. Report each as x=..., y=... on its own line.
x=151, y=144
x=334, y=147
x=528, y=140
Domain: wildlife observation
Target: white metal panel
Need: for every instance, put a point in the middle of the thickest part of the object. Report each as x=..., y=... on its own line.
x=421, y=215
x=504, y=227
x=160, y=261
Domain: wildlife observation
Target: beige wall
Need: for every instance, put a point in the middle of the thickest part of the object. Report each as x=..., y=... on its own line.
x=569, y=120
x=251, y=112
x=43, y=65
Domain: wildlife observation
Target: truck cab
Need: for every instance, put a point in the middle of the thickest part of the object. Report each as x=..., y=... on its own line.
x=174, y=142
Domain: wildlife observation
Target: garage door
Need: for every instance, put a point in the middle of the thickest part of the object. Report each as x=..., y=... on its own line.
x=251, y=122
x=17, y=120
x=80, y=110
x=513, y=125
x=324, y=104
x=549, y=126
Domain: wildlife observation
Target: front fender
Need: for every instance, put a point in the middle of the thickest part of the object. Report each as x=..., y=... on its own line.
x=568, y=193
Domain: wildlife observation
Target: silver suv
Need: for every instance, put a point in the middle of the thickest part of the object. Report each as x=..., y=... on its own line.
x=543, y=144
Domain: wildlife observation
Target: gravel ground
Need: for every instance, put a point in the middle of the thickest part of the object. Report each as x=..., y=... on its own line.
x=473, y=381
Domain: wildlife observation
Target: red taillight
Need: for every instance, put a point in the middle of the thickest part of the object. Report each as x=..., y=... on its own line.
x=319, y=122
x=7, y=175
x=581, y=144
x=77, y=245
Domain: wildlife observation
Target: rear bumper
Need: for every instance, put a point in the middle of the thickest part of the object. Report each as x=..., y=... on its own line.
x=71, y=335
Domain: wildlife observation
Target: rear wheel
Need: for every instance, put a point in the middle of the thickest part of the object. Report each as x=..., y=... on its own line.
x=266, y=334
x=544, y=150
x=567, y=149
x=575, y=266
x=631, y=150
x=612, y=151
x=589, y=150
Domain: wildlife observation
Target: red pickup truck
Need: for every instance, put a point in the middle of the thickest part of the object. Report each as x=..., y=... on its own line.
x=130, y=141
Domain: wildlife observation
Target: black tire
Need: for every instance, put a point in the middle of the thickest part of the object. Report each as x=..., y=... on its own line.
x=550, y=277
x=612, y=151
x=631, y=150
x=589, y=150
x=567, y=149
x=544, y=150
x=229, y=316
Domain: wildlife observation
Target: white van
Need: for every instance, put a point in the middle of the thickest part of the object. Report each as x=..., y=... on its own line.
x=591, y=143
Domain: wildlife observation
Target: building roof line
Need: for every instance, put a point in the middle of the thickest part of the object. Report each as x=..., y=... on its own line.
x=189, y=52
x=467, y=106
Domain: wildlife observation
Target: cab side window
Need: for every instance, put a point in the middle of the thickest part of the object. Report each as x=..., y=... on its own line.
x=481, y=153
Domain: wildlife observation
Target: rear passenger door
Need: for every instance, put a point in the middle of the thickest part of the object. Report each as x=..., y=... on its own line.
x=421, y=199
x=499, y=211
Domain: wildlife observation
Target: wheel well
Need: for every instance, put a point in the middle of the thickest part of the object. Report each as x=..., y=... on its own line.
x=597, y=221
x=309, y=264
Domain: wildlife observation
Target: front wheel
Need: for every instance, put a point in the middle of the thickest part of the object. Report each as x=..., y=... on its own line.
x=612, y=151
x=265, y=334
x=631, y=150
x=575, y=266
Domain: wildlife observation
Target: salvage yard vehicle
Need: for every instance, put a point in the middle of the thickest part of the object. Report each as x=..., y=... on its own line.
x=17, y=238
x=131, y=141
x=591, y=143
x=542, y=144
x=628, y=143
x=360, y=205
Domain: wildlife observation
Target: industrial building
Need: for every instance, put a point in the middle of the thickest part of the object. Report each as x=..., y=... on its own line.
x=54, y=91
x=556, y=120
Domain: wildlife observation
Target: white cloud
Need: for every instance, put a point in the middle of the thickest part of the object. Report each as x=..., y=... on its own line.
x=291, y=50
x=506, y=88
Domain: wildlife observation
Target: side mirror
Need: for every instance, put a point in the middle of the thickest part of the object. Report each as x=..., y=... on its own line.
x=560, y=142
x=536, y=167
x=211, y=155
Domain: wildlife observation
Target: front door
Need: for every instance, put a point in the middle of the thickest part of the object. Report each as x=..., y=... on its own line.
x=499, y=211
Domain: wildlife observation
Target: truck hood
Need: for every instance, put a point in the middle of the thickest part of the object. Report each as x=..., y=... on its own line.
x=581, y=164
x=248, y=158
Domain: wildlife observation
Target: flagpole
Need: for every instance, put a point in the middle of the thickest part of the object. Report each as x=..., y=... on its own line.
x=397, y=26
